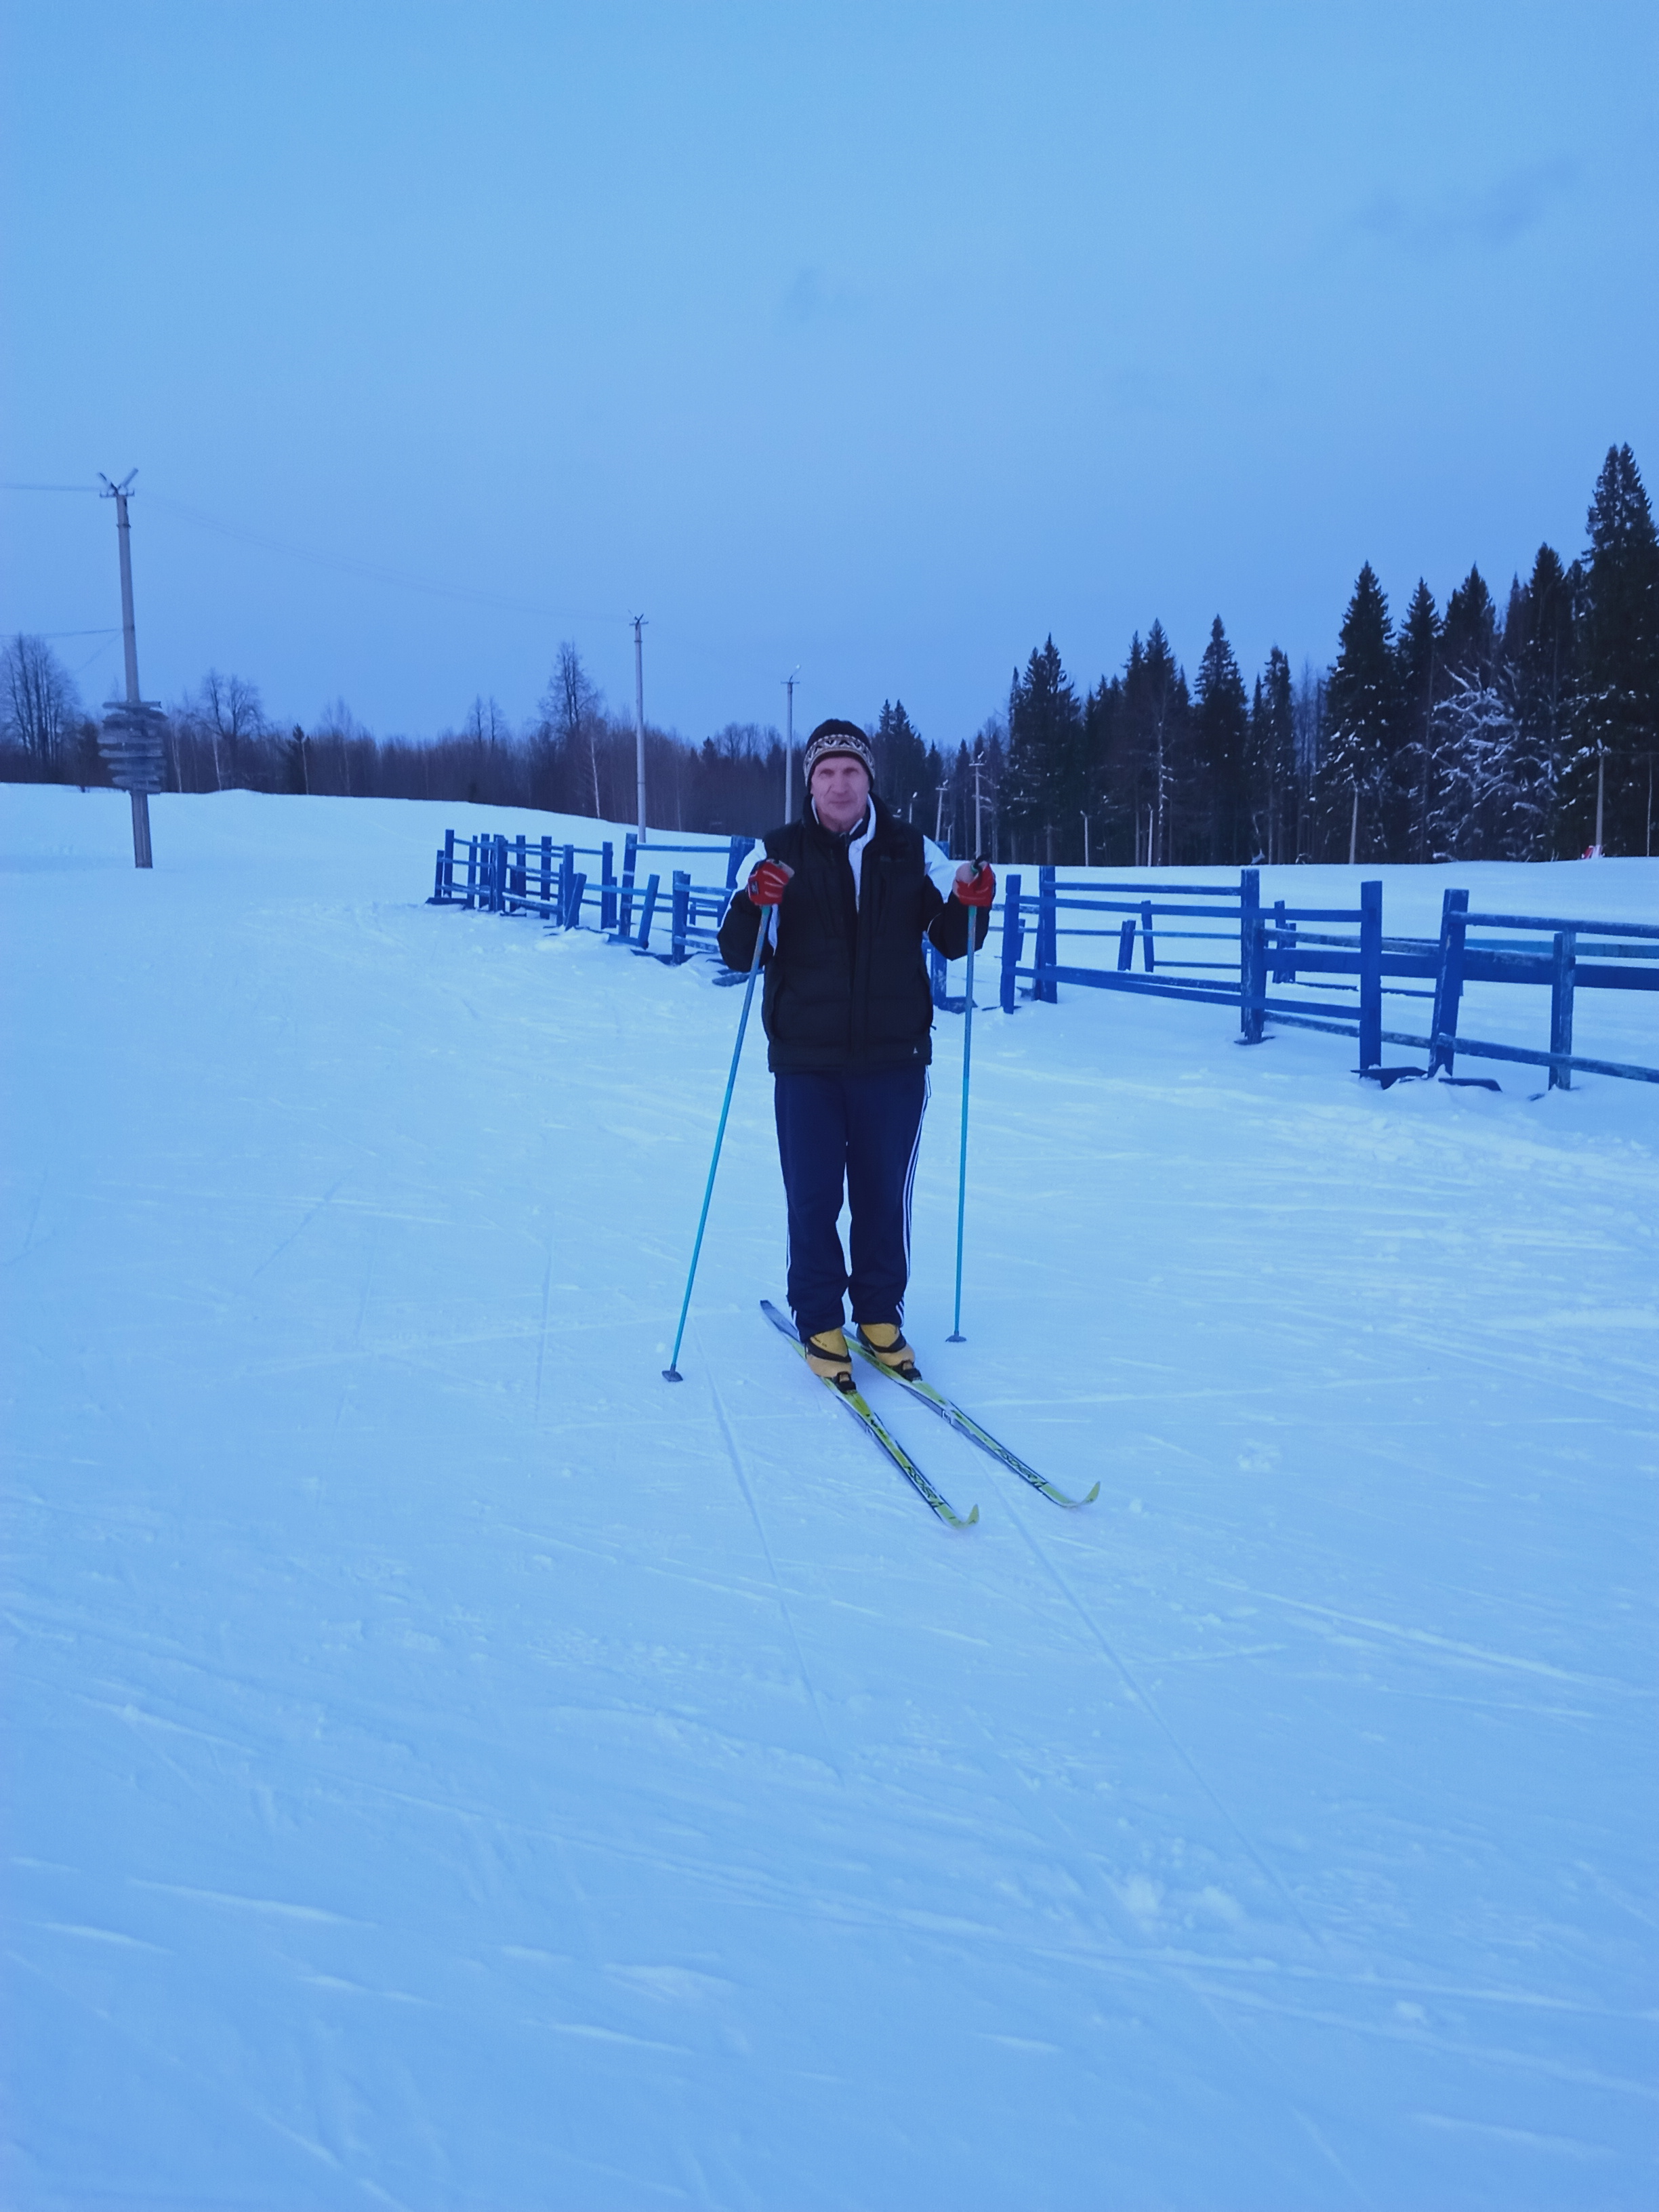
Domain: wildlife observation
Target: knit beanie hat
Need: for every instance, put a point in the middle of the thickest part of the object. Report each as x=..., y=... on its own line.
x=831, y=738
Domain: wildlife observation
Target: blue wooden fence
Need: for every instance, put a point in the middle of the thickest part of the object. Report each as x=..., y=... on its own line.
x=1250, y=956
x=495, y=874
x=1213, y=943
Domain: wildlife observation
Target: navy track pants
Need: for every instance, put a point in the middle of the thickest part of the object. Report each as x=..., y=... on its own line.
x=860, y=1132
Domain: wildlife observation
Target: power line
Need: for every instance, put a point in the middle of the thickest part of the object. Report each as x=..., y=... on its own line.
x=372, y=570
x=344, y=565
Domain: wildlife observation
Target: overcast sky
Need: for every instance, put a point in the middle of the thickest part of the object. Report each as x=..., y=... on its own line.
x=880, y=341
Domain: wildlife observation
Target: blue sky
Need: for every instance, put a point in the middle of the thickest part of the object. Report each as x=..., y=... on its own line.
x=879, y=340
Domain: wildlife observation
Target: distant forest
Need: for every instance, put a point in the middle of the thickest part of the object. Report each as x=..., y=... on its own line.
x=1479, y=732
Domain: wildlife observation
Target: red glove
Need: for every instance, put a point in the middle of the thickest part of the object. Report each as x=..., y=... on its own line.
x=766, y=885
x=975, y=883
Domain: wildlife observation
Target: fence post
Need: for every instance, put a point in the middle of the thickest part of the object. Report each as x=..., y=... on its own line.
x=567, y=873
x=734, y=860
x=498, y=901
x=630, y=849
x=1370, y=976
x=520, y=880
x=1047, y=941
x=1125, y=945
x=1012, y=937
x=1250, y=943
x=681, y=902
x=547, y=876
x=647, y=910
x=607, y=887
x=573, y=908
x=443, y=880
x=1146, y=935
x=1561, y=986
x=1283, y=934
x=1448, y=981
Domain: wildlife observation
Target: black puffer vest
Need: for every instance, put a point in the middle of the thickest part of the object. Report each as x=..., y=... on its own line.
x=846, y=983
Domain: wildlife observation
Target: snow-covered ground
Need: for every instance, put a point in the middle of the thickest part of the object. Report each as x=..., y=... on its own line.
x=448, y=1767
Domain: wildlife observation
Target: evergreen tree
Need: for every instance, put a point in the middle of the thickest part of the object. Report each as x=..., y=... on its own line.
x=1046, y=784
x=1151, y=745
x=1616, y=722
x=1270, y=763
x=1493, y=796
x=1361, y=709
x=1541, y=662
x=1220, y=724
x=1110, y=810
x=902, y=773
x=1419, y=678
x=1469, y=640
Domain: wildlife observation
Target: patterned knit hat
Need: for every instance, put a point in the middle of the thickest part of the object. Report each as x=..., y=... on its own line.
x=832, y=737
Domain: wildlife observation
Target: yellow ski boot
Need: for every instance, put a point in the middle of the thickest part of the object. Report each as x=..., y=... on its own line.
x=827, y=1355
x=885, y=1340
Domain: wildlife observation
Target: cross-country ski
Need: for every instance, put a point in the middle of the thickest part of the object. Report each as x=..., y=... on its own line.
x=877, y=1431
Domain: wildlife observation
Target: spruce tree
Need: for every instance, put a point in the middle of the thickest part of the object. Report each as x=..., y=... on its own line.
x=1468, y=644
x=1270, y=763
x=1419, y=678
x=1539, y=657
x=1616, y=723
x=1361, y=706
x=902, y=764
x=1220, y=726
x=1046, y=783
x=1152, y=745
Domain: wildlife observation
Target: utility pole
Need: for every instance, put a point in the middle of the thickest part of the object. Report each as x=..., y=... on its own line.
x=639, y=714
x=1085, y=813
x=789, y=683
x=132, y=739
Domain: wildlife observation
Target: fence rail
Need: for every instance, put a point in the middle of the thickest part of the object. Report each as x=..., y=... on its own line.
x=1224, y=948
x=495, y=874
x=1273, y=950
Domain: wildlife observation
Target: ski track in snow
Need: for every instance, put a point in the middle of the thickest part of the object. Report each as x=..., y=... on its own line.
x=450, y=1768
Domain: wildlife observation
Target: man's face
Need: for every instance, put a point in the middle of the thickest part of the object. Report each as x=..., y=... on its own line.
x=841, y=791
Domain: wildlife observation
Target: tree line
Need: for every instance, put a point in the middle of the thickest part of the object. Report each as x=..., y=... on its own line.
x=1467, y=733
x=1472, y=732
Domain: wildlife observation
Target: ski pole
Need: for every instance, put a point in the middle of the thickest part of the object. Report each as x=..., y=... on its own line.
x=672, y=1372
x=955, y=1335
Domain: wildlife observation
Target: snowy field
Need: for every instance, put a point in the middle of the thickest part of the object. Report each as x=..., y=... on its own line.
x=447, y=1767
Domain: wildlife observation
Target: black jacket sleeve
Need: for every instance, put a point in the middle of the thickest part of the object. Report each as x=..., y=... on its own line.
x=948, y=930
x=739, y=929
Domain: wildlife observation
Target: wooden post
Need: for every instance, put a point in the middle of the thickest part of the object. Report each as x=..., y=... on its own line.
x=1370, y=976
x=607, y=886
x=681, y=902
x=1250, y=945
x=646, y=911
x=1147, y=936
x=1048, y=943
x=1012, y=935
x=630, y=849
x=1448, y=983
x=1561, y=987
x=1125, y=945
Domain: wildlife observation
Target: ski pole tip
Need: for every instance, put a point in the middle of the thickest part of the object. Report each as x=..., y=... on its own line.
x=956, y=1337
x=672, y=1374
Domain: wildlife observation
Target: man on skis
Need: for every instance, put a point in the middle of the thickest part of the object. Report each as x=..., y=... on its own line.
x=844, y=898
